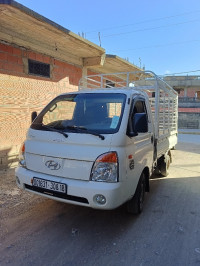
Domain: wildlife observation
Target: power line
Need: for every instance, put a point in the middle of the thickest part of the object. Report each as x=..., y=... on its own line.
x=146, y=29
x=192, y=71
x=156, y=46
x=142, y=22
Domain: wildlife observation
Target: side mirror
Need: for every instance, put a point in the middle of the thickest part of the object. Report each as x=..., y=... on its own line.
x=33, y=116
x=140, y=123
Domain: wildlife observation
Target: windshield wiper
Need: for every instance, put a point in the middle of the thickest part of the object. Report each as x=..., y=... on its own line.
x=85, y=130
x=56, y=130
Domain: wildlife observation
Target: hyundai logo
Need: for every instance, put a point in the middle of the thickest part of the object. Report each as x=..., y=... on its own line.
x=52, y=165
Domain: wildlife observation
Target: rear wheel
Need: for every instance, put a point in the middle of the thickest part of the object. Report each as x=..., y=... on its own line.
x=164, y=166
x=135, y=205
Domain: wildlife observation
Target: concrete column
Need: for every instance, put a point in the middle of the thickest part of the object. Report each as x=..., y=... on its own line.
x=185, y=92
x=84, y=73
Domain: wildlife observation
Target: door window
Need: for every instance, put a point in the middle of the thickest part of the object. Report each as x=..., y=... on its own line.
x=138, y=107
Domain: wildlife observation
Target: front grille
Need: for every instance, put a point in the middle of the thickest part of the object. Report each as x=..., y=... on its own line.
x=57, y=194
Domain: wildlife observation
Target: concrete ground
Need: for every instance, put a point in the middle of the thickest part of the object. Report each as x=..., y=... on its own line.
x=39, y=231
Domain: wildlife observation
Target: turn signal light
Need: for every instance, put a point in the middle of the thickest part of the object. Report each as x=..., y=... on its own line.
x=22, y=160
x=110, y=157
x=23, y=148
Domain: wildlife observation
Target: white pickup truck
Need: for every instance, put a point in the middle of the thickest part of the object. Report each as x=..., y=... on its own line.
x=99, y=146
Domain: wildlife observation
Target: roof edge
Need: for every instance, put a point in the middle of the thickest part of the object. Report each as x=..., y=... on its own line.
x=37, y=16
x=123, y=61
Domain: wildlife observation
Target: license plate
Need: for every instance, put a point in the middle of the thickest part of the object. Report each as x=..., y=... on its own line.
x=50, y=185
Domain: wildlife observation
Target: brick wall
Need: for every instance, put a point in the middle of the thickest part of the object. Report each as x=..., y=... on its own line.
x=21, y=93
x=190, y=92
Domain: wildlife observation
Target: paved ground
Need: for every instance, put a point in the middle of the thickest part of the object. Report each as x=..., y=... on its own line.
x=38, y=231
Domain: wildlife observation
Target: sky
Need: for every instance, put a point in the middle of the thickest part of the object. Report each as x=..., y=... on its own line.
x=162, y=36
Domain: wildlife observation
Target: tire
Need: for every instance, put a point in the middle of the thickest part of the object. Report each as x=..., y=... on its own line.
x=164, y=165
x=135, y=205
x=157, y=171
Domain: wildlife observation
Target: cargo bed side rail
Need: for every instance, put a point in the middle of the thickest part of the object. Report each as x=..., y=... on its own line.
x=162, y=97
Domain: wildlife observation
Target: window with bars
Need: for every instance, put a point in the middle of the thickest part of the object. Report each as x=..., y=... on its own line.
x=38, y=68
x=110, y=84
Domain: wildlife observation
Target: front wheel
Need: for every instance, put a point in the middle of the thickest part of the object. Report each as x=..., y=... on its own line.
x=135, y=205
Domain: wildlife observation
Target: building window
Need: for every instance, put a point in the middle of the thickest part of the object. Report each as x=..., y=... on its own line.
x=38, y=68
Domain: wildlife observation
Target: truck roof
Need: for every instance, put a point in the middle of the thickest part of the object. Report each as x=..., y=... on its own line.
x=126, y=90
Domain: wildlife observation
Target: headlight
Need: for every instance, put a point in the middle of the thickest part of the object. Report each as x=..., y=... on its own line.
x=105, y=168
x=22, y=160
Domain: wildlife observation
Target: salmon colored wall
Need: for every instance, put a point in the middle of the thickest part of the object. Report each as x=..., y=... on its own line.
x=21, y=93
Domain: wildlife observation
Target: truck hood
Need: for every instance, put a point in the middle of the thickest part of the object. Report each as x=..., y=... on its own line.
x=73, y=157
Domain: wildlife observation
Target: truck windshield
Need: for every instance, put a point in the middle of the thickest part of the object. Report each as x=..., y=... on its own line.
x=83, y=113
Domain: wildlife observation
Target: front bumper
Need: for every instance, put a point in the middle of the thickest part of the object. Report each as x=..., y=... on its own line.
x=78, y=192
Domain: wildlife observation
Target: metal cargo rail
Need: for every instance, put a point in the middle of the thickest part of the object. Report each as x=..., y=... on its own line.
x=163, y=98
